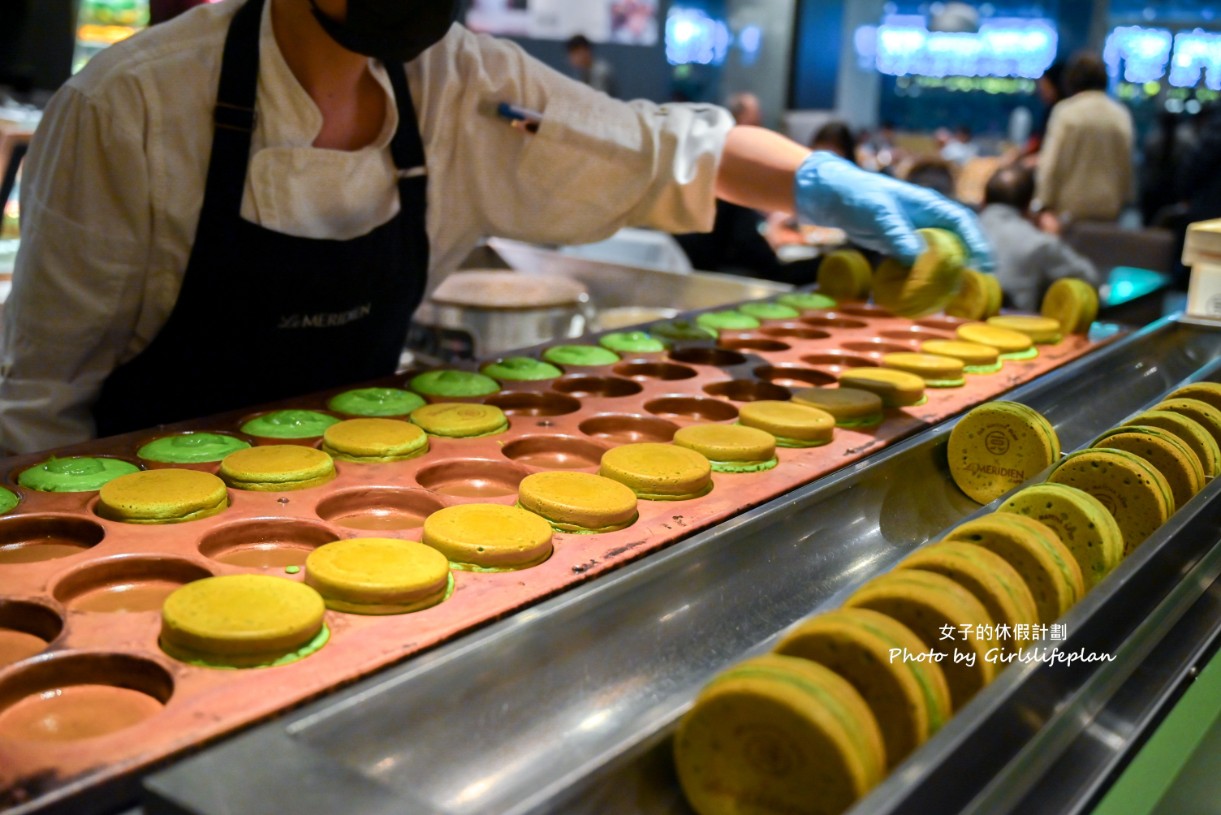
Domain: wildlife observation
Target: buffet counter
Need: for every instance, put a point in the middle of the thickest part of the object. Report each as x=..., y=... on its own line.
x=553, y=691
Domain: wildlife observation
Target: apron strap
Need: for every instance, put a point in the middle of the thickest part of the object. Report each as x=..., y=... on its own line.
x=407, y=147
x=234, y=112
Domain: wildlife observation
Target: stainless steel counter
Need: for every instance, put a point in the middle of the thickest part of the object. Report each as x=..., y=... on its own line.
x=567, y=707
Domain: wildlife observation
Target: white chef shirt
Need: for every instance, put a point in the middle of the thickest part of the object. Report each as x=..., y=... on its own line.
x=112, y=189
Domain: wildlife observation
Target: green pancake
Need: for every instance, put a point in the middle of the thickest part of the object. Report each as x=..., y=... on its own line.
x=1207, y=415
x=191, y=448
x=730, y=448
x=1135, y=493
x=78, y=474
x=1081, y=522
x=289, y=424
x=632, y=342
x=910, y=700
x=8, y=500
x=681, y=330
x=580, y=355
x=453, y=384
x=1207, y=392
x=521, y=369
x=1164, y=451
x=778, y=734
x=375, y=402
x=769, y=311
x=997, y=446
x=806, y=301
x=844, y=274
x=930, y=284
x=1035, y=552
x=728, y=320
x=932, y=606
x=1189, y=431
x=851, y=408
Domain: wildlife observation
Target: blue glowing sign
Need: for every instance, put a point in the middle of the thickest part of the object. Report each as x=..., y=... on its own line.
x=1195, y=52
x=1143, y=52
x=1003, y=47
x=692, y=36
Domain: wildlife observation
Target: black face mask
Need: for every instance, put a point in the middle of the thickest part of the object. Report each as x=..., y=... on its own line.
x=390, y=30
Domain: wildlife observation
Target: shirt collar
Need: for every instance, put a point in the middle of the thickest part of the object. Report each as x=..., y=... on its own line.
x=289, y=117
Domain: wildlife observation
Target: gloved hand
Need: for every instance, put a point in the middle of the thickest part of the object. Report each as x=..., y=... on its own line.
x=882, y=213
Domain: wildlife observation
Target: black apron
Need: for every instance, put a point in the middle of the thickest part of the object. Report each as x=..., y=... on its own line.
x=264, y=316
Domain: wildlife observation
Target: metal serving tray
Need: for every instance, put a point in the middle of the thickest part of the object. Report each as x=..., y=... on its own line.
x=567, y=706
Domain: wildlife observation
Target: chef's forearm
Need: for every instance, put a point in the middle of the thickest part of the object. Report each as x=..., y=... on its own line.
x=757, y=169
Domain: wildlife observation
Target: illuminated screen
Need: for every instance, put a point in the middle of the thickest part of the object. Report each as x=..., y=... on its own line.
x=632, y=22
x=1006, y=48
x=693, y=37
x=1147, y=56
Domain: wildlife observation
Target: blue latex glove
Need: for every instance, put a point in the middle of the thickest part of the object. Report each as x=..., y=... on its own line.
x=883, y=213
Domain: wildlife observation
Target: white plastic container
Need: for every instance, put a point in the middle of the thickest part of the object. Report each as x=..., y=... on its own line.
x=1202, y=252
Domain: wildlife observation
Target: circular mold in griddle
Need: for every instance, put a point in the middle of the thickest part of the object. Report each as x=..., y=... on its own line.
x=265, y=544
x=942, y=323
x=472, y=478
x=864, y=310
x=627, y=429
x=380, y=509
x=795, y=331
x=765, y=344
x=26, y=629
x=833, y=321
x=791, y=376
x=534, y=403
x=70, y=697
x=34, y=538
x=125, y=584
x=606, y=387
x=874, y=347
x=838, y=360
x=692, y=407
x=716, y=357
x=747, y=390
x=642, y=369
x=913, y=335
x=554, y=452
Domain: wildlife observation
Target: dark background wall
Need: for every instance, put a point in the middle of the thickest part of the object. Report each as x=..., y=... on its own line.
x=36, y=43
x=817, y=42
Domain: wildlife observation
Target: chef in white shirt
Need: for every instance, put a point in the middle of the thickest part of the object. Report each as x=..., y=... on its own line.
x=248, y=202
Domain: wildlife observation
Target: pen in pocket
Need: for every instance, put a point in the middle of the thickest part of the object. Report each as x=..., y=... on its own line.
x=521, y=118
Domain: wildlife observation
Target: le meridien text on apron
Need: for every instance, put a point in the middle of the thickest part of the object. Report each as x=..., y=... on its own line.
x=326, y=320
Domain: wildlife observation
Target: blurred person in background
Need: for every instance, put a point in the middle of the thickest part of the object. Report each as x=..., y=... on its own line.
x=932, y=173
x=1198, y=184
x=745, y=109
x=835, y=137
x=1164, y=149
x=1050, y=88
x=1028, y=259
x=957, y=145
x=588, y=68
x=1085, y=166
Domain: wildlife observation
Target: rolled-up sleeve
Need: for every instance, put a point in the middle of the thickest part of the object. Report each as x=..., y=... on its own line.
x=596, y=163
x=85, y=221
